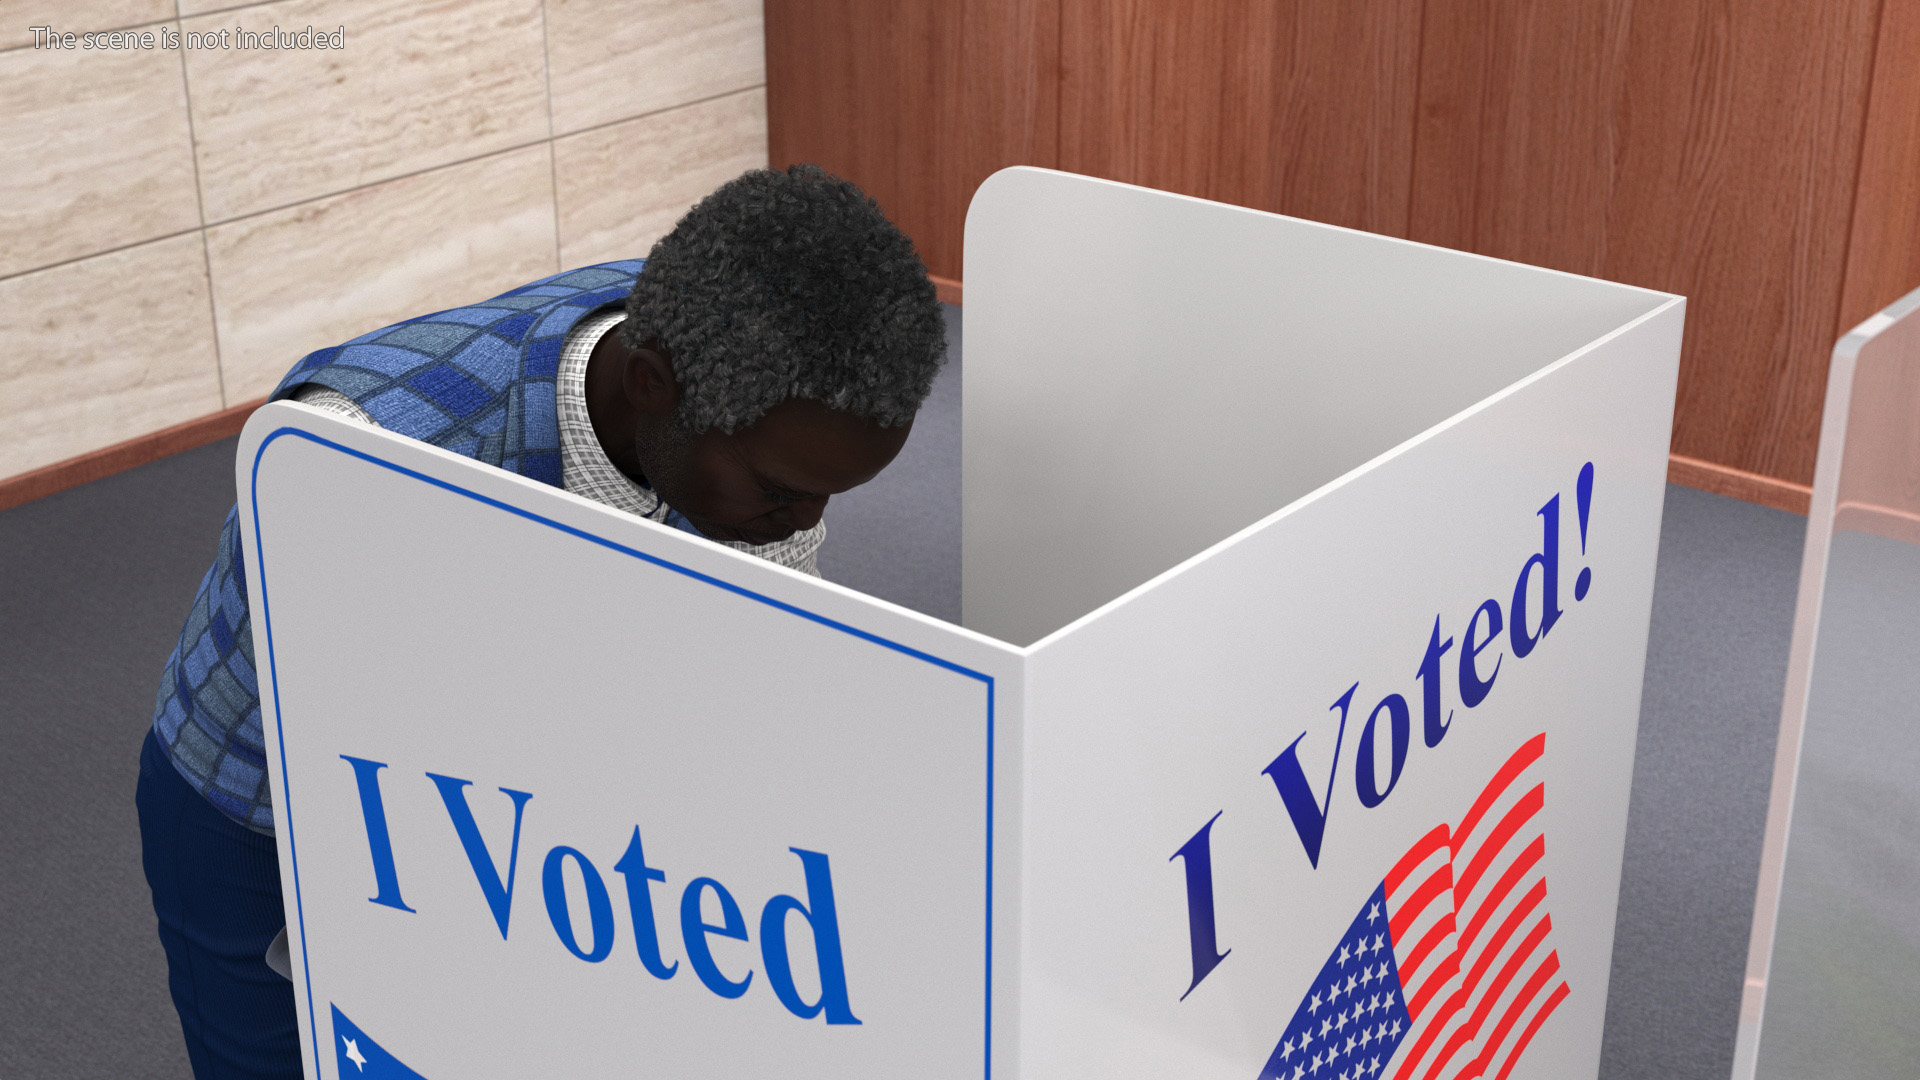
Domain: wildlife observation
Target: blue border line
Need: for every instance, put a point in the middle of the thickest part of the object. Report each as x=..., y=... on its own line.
x=286, y=795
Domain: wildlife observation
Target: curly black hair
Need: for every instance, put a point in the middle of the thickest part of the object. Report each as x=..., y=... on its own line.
x=789, y=284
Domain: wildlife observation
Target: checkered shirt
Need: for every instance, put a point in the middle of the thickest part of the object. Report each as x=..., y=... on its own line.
x=480, y=380
x=587, y=471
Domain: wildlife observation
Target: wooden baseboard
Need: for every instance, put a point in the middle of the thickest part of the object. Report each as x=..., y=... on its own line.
x=120, y=457
x=1738, y=483
x=947, y=289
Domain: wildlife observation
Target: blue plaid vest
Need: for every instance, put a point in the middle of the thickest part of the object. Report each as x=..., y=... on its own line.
x=476, y=380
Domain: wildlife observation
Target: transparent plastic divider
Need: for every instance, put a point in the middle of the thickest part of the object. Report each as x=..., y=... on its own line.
x=1833, y=970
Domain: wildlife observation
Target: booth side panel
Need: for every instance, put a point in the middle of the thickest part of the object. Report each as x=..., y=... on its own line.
x=1148, y=373
x=1834, y=963
x=1229, y=769
x=260, y=426
x=561, y=792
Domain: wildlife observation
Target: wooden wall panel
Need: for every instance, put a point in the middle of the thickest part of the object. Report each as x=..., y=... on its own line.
x=1517, y=134
x=1303, y=108
x=1724, y=150
x=1699, y=147
x=1883, y=253
x=1747, y=177
x=916, y=101
x=1880, y=488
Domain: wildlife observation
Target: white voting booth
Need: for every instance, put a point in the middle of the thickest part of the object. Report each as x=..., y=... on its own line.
x=1306, y=584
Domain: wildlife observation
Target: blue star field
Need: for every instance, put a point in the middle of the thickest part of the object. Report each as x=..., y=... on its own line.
x=1355, y=1014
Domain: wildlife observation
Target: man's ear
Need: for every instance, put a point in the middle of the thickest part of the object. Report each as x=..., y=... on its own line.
x=648, y=380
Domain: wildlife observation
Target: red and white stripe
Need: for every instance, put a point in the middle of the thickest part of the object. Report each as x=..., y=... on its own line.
x=1510, y=973
x=1421, y=925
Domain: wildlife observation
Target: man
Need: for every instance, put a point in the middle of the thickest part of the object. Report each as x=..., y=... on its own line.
x=771, y=352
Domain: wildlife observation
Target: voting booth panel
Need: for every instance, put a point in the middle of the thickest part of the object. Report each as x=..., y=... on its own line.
x=1306, y=581
x=1148, y=374
x=1833, y=969
x=1448, y=617
x=564, y=792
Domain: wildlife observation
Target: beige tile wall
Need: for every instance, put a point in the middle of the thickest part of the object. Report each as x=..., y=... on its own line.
x=178, y=226
x=91, y=164
x=79, y=16
x=634, y=177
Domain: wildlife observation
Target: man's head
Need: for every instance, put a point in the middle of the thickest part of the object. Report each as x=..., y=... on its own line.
x=776, y=348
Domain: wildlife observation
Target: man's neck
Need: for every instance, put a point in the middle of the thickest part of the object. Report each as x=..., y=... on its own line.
x=613, y=416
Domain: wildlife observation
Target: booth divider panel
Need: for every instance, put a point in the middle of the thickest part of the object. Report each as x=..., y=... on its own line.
x=1834, y=964
x=544, y=772
x=1223, y=766
x=1149, y=373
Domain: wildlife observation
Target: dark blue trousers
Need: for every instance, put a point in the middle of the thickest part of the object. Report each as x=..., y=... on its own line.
x=216, y=893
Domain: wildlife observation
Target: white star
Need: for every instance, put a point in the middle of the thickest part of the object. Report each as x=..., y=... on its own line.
x=1316, y=1063
x=1345, y=955
x=354, y=1055
x=1373, y=913
x=1299, y=1071
x=1352, y=982
x=1305, y=1038
x=1314, y=1006
x=1379, y=942
x=1286, y=1050
x=1325, y=1026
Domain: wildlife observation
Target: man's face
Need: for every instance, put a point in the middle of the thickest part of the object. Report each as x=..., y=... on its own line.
x=771, y=478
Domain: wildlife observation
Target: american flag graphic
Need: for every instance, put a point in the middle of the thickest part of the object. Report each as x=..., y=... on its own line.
x=1447, y=972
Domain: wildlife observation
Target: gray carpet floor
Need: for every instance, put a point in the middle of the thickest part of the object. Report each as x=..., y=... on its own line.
x=1716, y=669
x=97, y=579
